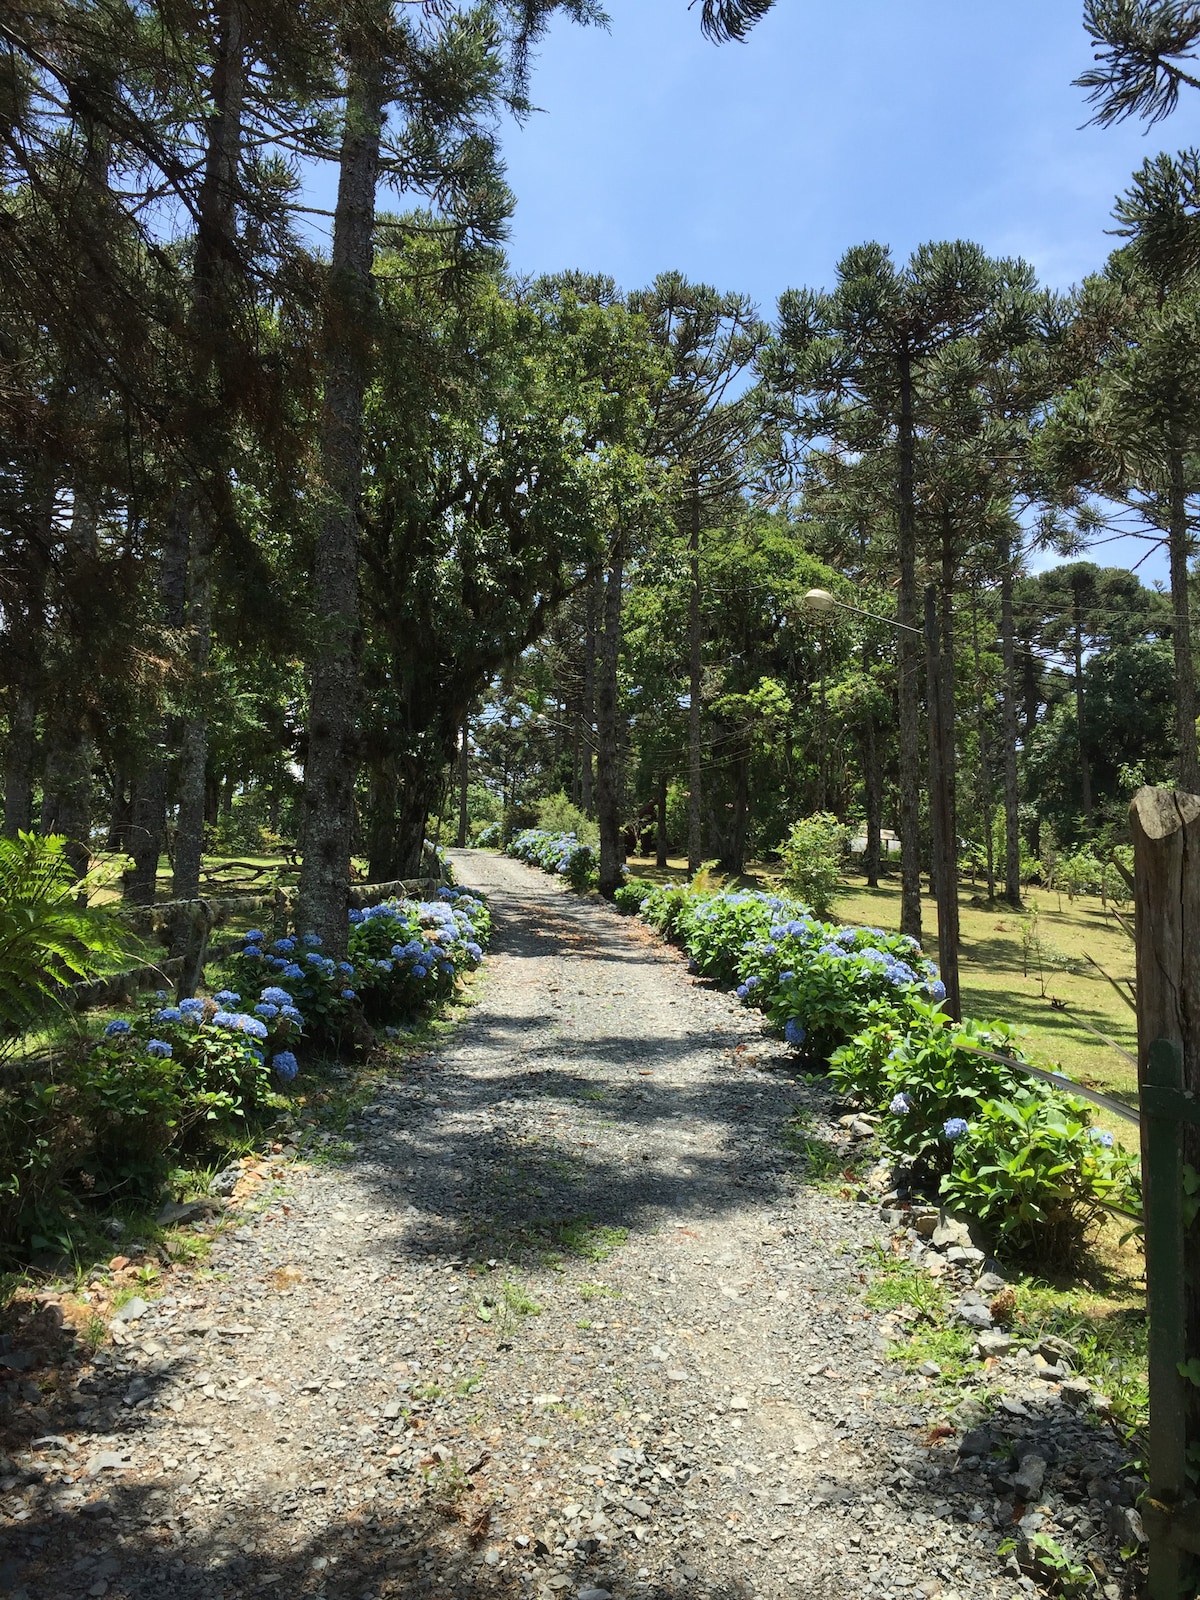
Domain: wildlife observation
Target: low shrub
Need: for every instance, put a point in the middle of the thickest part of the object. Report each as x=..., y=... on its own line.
x=1038, y=1174
x=632, y=896
x=561, y=854
x=487, y=836
x=103, y=1118
x=663, y=907
x=407, y=955
x=987, y=1138
x=1019, y=1154
x=557, y=814
x=811, y=857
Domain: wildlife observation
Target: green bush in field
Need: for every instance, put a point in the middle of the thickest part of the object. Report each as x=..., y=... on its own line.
x=1035, y=1171
x=1016, y=1152
x=811, y=858
x=557, y=814
x=632, y=896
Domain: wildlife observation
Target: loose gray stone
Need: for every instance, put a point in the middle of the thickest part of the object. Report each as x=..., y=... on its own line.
x=1029, y=1476
x=994, y=1344
x=132, y=1310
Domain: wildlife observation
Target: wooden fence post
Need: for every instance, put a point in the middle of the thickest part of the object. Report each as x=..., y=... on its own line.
x=1166, y=843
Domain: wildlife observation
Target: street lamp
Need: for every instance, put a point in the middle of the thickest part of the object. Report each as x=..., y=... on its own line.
x=941, y=809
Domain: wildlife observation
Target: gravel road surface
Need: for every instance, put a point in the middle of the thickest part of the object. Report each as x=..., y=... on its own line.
x=569, y=1320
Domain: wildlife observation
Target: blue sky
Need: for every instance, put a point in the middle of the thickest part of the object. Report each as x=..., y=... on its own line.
x=754, y=166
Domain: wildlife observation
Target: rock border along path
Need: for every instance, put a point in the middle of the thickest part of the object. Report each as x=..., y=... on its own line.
x=436, y=1369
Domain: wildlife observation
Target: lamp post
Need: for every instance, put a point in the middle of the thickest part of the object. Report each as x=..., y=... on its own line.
x=941, y=803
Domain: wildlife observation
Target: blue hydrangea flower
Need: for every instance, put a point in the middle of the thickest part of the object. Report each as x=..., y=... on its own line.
x=475, y=952
x=284, y=1065
x=418, y=972
x=192, y=1008
x=255, y=936
x=937, y=990
x=349, y=994
x=753, y=981
x=284, y=946
x=253, y=951
x=290, y=1013
x=250, y=1025
x=265, y=1009
x=117, y=1027
x=161, y=995
x=383, y=966
x=169, y=1014
x=901, y=1104
x=742, y=991
x=226, y=997
x=275, y=996
x=293, y=970
x=314, y=941
x=954, y=1128
x=355, y=917
x=901, y=975
x=795, y=1032
x=158, y=1047
x=345, y=966
x=1101, y=1136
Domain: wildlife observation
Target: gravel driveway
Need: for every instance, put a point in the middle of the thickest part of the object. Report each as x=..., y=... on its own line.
x=568, y=1321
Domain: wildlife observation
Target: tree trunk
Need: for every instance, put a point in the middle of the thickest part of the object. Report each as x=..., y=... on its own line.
x=120, y=813
x=382, y=795
x=695, y=843
x=193, y=743
x=330, y=769
x=985, y=757
x=70, y=752
x=1188, y=764
x=464, y=775
x=947, y=680
x=26, y=647
x=660, y=830
x=69, y=749
x=739, y=821
x=212, y=324
x=1012, y=798
x=873, y=794
x=1085, y=766
x=608, y=796
x=420, y=797
x=909, y=664
x=186, y=582
x=1166, y=854
x=148, y=820
x=587, y=787
x=941, y=807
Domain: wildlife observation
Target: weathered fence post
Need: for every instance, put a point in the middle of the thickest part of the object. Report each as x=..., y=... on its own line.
x=1166, y=843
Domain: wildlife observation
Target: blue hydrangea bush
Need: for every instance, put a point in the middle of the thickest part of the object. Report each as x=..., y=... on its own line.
x=561, y=854
x=984, y=1137
x=975, y=1132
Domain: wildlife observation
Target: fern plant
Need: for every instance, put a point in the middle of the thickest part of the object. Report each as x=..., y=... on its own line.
x=48, y=940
